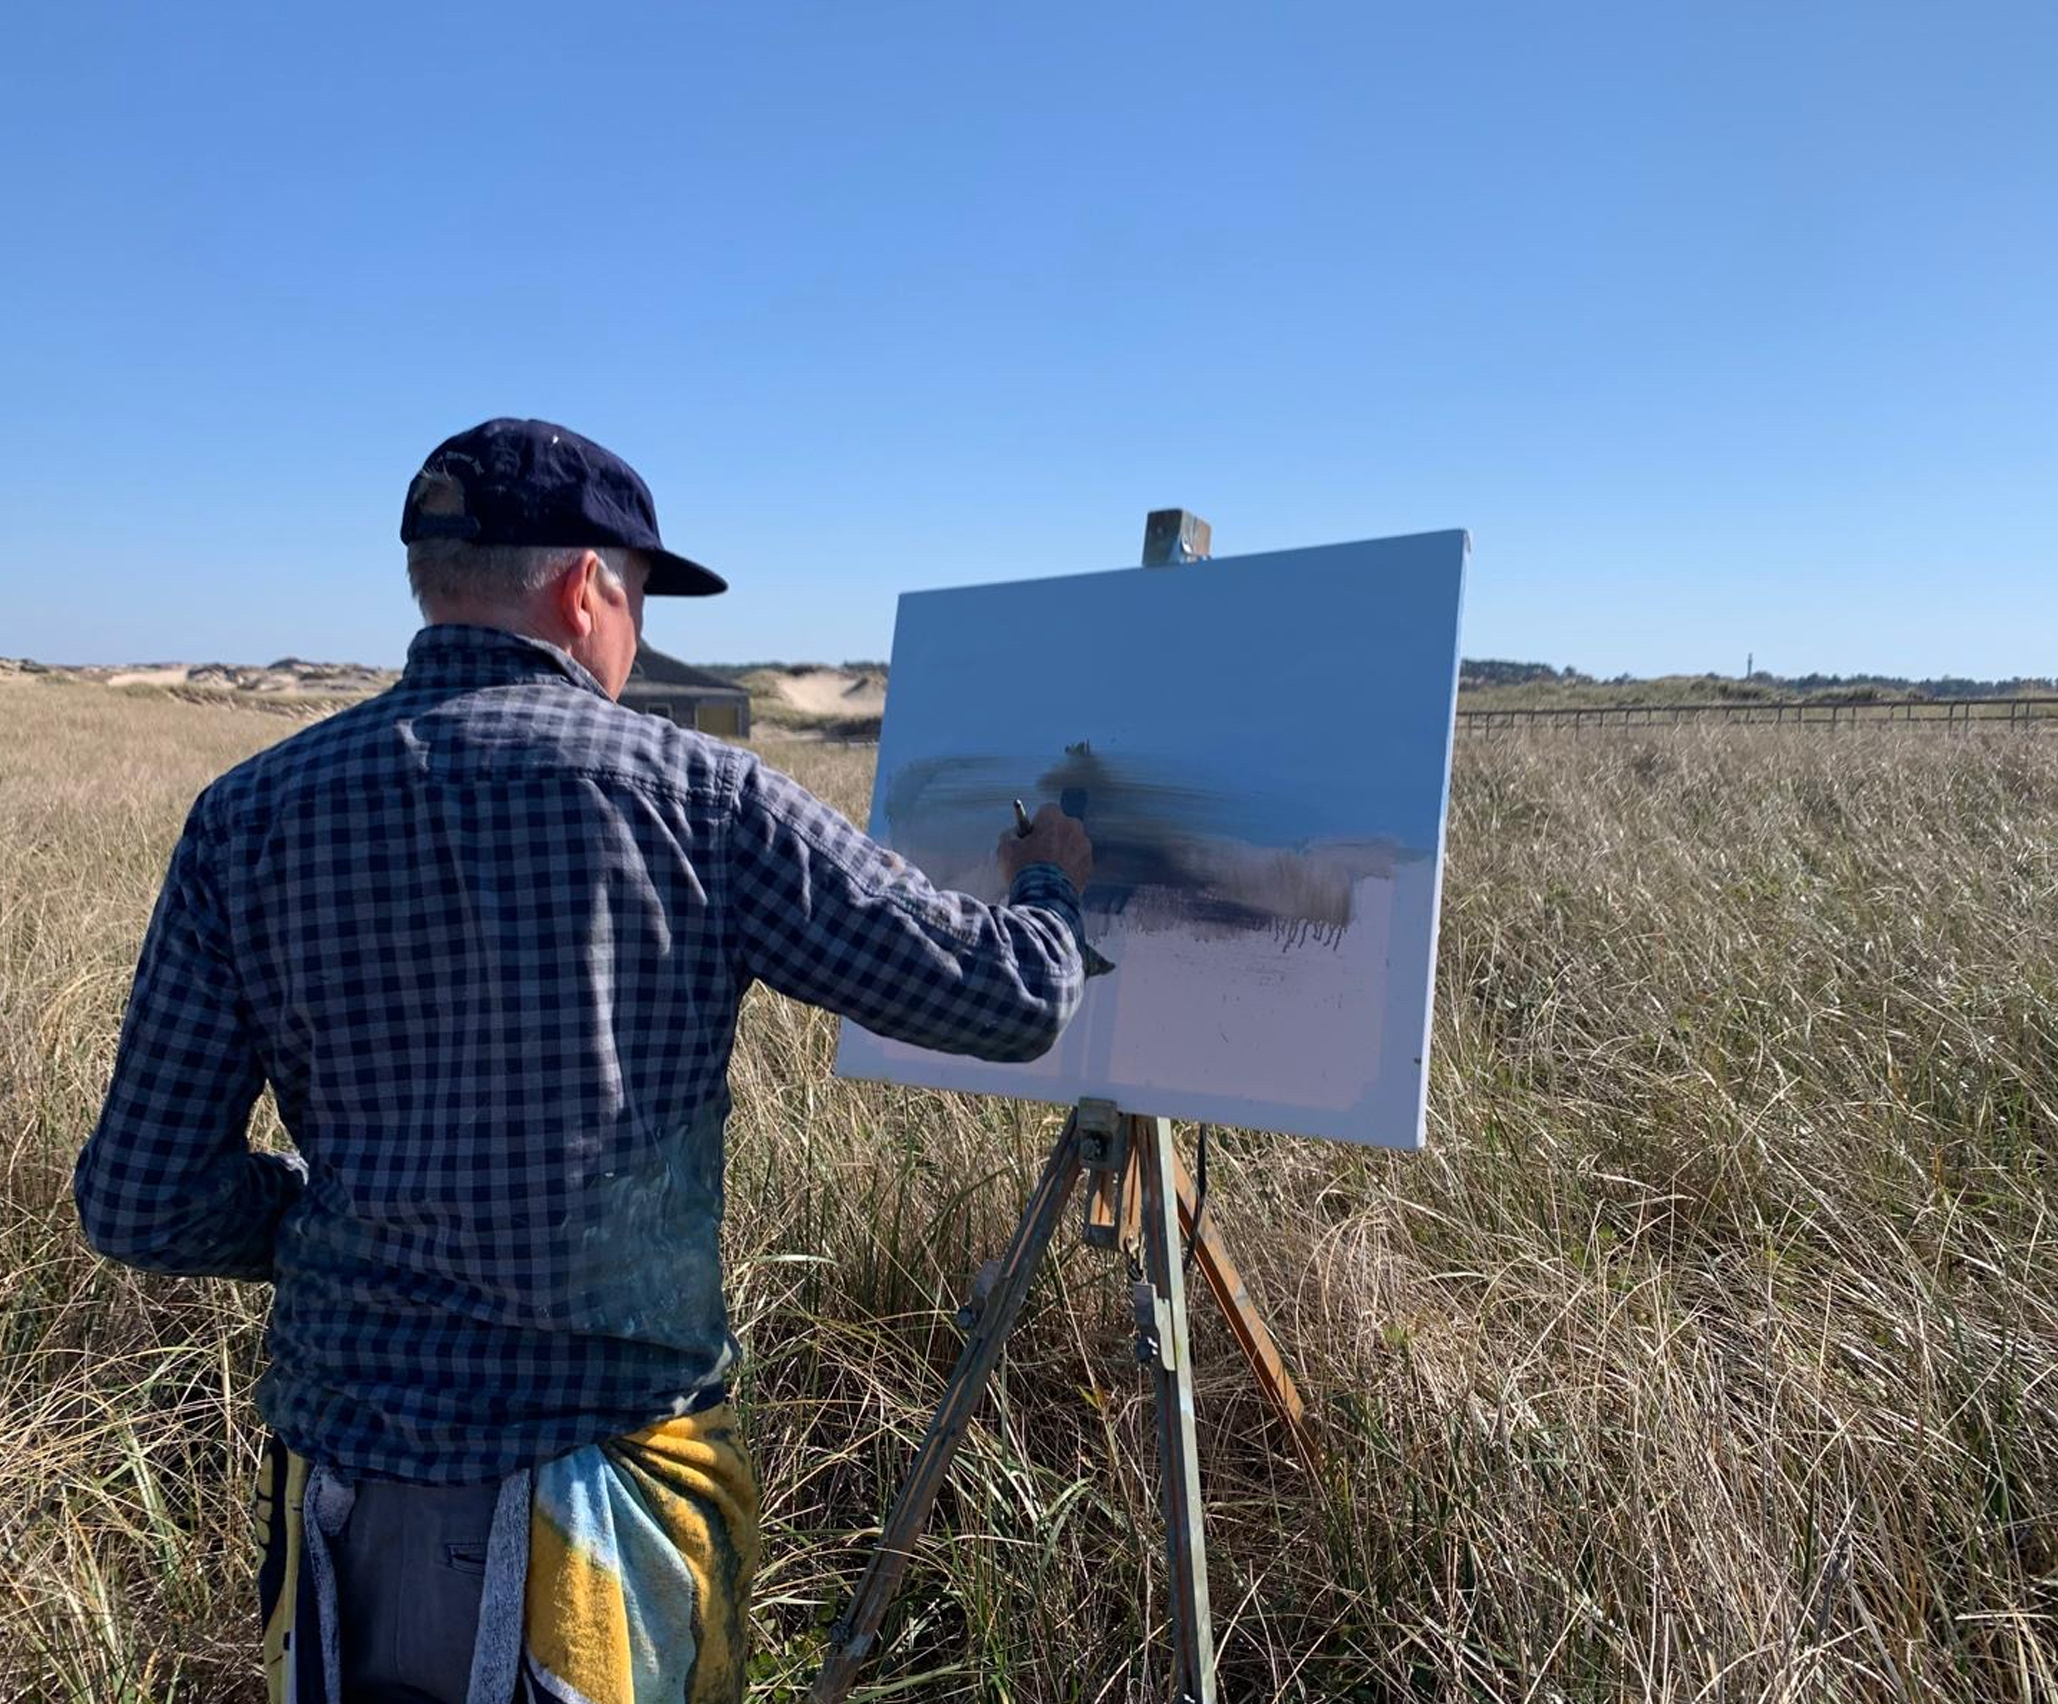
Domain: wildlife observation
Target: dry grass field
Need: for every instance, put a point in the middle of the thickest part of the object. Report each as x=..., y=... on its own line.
x=1709, y=1352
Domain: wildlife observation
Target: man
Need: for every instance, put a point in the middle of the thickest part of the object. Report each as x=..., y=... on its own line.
x=485, y=936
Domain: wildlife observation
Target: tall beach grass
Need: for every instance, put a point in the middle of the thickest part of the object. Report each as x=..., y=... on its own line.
x=1709, y=1351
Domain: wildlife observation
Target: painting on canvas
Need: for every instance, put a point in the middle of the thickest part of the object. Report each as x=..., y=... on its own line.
x=1259, y=748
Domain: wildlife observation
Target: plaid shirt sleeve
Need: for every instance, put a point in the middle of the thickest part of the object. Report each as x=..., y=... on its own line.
x=167, y=1180
x=830, y=917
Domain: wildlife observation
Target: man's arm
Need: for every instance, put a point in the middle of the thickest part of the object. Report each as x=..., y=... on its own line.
x=168, y=1181
x=831, y=917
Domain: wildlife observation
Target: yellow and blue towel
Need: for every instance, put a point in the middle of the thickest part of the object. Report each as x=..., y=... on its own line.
x=628, y=1582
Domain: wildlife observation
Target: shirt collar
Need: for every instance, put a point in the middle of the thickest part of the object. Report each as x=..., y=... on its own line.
x=451, y=654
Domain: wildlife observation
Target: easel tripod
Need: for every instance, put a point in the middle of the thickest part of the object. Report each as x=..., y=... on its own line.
x=1138, y=1197
x=1140, y=1200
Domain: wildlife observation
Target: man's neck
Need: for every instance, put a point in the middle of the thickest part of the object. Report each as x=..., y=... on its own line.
x=523, y=622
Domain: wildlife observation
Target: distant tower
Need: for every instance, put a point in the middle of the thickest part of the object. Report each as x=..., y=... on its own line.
x=1750, y=664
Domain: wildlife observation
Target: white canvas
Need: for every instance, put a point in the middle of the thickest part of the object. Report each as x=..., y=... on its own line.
x=1259, y=747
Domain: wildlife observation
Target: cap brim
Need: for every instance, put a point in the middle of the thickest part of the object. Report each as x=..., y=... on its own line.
x=676, y=577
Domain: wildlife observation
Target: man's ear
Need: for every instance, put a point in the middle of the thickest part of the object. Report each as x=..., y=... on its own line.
x=568, y=593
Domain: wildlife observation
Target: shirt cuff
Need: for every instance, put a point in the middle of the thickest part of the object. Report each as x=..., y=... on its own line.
x=1048, y=886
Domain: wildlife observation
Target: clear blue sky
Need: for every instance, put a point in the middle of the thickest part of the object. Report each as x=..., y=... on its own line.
x=1725, y=328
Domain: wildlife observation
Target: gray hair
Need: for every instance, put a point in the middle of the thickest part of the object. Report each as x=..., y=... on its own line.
x=450, y=568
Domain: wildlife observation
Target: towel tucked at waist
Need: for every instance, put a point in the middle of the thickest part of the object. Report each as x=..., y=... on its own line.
x=616, y=1574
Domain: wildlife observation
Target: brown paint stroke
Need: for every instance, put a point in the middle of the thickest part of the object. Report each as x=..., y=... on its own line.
x=1168, y=854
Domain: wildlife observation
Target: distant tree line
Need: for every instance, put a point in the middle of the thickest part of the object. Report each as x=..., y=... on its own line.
x=1897, y=686
x=1479, y=672
x=1496, y=671
x=735, y=671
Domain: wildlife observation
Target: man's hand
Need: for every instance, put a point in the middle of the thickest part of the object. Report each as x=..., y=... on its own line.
x=1053, y=838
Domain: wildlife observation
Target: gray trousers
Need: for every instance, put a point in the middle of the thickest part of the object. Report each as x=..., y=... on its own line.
x=410, y=1562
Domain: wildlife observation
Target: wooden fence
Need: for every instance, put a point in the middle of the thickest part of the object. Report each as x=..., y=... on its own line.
x=1998, y=714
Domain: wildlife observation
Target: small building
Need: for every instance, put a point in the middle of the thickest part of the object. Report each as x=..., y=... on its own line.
x=693, y=698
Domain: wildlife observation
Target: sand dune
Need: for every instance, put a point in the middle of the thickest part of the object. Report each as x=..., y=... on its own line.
x=828, y=692
x=288, y=677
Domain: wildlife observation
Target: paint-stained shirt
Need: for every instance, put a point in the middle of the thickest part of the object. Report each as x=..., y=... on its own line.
x=485, y=936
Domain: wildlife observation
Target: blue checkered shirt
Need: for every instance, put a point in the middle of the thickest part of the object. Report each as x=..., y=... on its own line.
x=485, y=936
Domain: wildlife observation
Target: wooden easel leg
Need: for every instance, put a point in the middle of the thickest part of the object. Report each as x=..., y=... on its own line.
x=850, y=1641
x=1248, y=1327
x=1162, y=1342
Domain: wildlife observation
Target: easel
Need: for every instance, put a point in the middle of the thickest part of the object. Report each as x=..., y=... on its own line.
x=1140, y=1201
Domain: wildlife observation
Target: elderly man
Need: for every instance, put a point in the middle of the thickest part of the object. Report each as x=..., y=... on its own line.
x=485, y=936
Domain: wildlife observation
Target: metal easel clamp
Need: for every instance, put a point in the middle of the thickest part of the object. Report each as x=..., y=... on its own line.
x=1104, y=1156
x=983, y=1282
x=1153, y=1326
x=1102, y=1135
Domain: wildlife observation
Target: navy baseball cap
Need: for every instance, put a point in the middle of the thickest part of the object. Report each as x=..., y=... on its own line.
x=529, y=482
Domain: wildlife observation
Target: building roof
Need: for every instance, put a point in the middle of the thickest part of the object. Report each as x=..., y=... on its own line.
x=656, y=669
